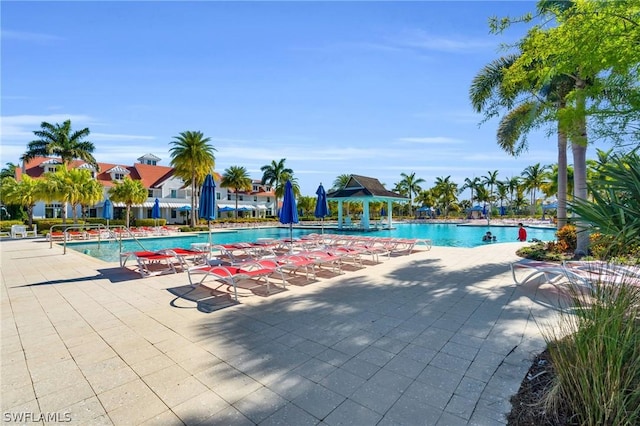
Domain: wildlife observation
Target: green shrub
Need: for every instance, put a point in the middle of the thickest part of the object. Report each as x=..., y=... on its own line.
x=5, y=225
x=149, y=222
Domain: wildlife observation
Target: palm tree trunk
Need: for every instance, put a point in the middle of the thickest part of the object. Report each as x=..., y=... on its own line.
x=128, y=214
x=579, y=149
x=194, y=212
x=236, y=211
x=562, y=178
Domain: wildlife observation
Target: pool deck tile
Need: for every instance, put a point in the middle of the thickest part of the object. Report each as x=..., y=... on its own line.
x=440, y=336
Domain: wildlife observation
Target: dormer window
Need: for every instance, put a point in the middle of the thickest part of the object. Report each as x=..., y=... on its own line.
x=149, y=159
x=118, y=173
x=86, y=166
x=51, y=165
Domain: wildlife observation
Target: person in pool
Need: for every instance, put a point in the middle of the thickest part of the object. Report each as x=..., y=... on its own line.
x=487, y=236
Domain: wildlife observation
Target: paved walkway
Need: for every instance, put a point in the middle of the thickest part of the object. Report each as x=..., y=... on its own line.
x=434, y=338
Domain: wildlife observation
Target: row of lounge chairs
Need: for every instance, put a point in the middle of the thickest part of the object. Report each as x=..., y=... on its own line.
x=268, y=264
x=113, y=233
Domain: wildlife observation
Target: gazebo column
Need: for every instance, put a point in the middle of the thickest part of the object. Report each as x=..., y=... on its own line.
x=389, y=213
x=339, y=214
x=365, y=214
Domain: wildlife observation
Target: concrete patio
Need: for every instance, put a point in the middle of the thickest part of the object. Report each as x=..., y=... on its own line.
x=440, y=337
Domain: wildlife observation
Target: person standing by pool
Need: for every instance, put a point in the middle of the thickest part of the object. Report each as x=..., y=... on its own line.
x=522, y=233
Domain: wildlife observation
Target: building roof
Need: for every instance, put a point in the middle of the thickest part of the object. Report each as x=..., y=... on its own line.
x=151, y=176
x=361, y=187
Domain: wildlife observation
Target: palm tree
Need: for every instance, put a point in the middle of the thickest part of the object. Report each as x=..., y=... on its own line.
x=512, y=185
x=471, y=184
x=533, y=178
x=236, y=177
x=446, y=193
x=272, y=174
x=339, y=183
x=491, y=179
x=279, y=190
x=411, y=186
x=129, y=192
x=502, y=194
x=526, y=110
x=59, y=140
x=25, y=193
x=192, y=159
x=9, y=171
x=75, y=187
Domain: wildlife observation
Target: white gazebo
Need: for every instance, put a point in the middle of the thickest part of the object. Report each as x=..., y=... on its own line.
x=364, y=190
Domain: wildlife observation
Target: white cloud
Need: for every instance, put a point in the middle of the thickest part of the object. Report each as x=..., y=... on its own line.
x=29, y=36
x=430, y=140
x=119, y=137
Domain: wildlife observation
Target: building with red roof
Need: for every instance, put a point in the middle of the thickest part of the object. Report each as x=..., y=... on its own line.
x=161, y=183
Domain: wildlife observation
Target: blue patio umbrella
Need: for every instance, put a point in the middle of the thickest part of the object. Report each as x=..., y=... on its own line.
x=155, y=212
x=107, y=211
x=207, y=208
x=383, y=212
x=289, y=212
x=322, y=208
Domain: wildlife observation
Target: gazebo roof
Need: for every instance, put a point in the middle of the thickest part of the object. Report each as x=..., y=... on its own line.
x=362, y=187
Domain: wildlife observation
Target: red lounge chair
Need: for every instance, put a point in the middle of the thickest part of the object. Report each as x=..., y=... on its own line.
x=231, y=275
x=150, y=263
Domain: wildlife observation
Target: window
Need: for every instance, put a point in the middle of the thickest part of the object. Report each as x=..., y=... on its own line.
x=218, y=195
x=229, y=197
x=52, y=169
x=174, y=214
x=268, y=199
x=52, y=211
x=255, y=187
x=174, y=193
x=151, y=162
x=118, y=176
x=149, y=215
x=241, y=198
x=150, y=193
x=255, y=198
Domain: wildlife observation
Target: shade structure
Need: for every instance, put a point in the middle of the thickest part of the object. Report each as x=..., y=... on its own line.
x=107, y=211
x=289, y=211
x=207, y=209
x=322, y=207
x=184, y=209
x=226, y=209
x=550, y=206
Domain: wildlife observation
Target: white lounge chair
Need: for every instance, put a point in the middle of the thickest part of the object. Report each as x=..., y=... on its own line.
x=18, y=231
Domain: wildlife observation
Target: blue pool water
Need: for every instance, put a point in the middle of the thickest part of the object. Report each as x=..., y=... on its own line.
x=447, y=235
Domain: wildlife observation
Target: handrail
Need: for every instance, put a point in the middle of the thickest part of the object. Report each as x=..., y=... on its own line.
x=99, y=226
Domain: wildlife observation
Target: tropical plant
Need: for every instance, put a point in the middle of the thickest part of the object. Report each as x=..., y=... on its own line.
x=25, y=193
x=279, y=189
x=339, y=183
x=8, y=171
x=446, y=193
x=237, y=178
x=307, y=205
x=59, y=140
x=192, y=159
x=490, y=179
x=471, y=184
x=129, y=192
x=273, y=174
x=533, y=177
x=616, y=202
x=410, y=185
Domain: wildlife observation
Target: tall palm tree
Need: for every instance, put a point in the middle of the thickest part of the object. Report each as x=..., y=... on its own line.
x=512, y=184
x=490, y=179
x=471, y=184
x=59, y=140
x=192, y=159
x=279, y=190
x=533, y=178
x=129, y=192
x=339, y=183
x=446, y=193
x=272, y=174
x=24, y=193
x=236, y=177
x=411, y=185
x=526, y=109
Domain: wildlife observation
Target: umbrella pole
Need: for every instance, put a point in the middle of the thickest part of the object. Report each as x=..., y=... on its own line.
x=291, y=237
x=209, y=226
x=322, y=225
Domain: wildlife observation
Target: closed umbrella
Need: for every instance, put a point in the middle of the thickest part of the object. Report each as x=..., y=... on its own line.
x=107, y=211
x=155, y=212
x=207, y=208
x=289, y=211
x=322, y=208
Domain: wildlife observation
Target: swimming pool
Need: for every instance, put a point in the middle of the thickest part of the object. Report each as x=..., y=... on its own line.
x=448, y=235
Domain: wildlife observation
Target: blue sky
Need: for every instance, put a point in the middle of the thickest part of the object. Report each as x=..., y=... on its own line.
x=370, y=88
